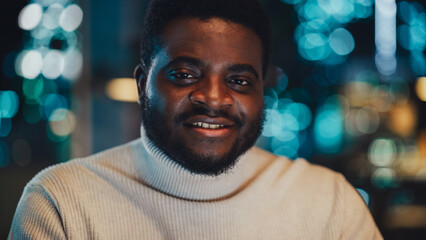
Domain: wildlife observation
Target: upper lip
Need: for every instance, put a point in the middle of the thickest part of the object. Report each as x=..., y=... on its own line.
x=206, y=119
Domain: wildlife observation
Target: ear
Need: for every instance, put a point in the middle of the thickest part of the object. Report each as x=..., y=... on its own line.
x=140, y=77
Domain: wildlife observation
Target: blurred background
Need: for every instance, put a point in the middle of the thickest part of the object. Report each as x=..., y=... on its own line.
x=346, y=89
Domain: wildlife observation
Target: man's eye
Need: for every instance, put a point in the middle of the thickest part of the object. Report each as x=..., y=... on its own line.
x=181, y=75
x=241, y=82
x=182, y=78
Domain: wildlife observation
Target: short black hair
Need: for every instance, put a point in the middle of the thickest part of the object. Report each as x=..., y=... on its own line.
x=248, y=13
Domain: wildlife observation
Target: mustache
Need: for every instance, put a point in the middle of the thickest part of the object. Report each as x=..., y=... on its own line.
x=200, y=110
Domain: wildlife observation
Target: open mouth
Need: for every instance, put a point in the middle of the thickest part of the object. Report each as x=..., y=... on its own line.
x=208, y=126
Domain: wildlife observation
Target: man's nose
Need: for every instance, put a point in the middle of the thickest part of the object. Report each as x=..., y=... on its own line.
x=213, y=93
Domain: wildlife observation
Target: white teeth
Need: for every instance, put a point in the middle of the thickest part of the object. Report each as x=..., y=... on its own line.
x=206, y=125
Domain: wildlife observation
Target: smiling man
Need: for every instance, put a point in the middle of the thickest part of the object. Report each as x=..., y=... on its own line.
x=203, y=108
x=194, y=173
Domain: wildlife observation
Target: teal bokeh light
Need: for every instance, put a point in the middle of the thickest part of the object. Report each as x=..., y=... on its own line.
x=9, y=104
x=5, y=126
x=311, y=11
x=328, y=128
x=314, y=47
x=297, y=116
x=33, y=89
x=313, y=26
x=50, y=103
x=341, y=41
x=286, y=151
x=341, y=10
x=273, y=123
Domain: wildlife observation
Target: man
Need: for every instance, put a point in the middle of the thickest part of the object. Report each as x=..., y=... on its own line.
x=194, y=173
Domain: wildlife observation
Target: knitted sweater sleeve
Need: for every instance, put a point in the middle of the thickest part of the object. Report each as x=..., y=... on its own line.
x=358, y=222
x=37, y=216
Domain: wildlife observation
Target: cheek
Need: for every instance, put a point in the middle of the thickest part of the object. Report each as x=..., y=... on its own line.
x=252, y=105
x=169, y=101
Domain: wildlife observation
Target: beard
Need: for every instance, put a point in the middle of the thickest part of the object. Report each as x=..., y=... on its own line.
x=160, y=133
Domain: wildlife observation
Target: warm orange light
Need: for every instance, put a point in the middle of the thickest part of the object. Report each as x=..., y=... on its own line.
x=403, y=119
x=421, y=88
x=122, y=89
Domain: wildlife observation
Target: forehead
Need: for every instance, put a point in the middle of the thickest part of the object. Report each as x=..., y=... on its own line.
x=215, y=39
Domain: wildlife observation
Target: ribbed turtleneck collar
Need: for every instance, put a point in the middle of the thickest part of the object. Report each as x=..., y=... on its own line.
x=160, y=172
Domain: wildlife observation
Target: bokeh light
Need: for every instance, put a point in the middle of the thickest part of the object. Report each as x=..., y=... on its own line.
x=73, y=64
x=5, y=126
x=4, y=155
x=381, y=98
x=364, y=195
x=286, y=151
x=297, y=116
x=321, y=35
x=63, y=124
x=421, y=88
x=314, y=46
x=328, y=127
x=122, y=89
x=341, y=41
x=360, y=121
x=9, y=104
x=50, y=103
x=53, y=64
x=384, y=177
x=29, y=64
x=282, y=81
x=71, y=18
x=403, y=119
x=51, y=16
x=273, y=123
x=30, y=16
x=382, y=152
x=33, y=89
x=385, y=36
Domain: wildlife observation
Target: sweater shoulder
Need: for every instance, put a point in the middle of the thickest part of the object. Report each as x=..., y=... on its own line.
x=100, y=165
x=301, y=174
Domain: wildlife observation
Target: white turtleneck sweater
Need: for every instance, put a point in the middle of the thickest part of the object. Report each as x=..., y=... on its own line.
x=135, y=192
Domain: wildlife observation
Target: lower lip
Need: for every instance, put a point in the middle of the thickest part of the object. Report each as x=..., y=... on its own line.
x=220, y=132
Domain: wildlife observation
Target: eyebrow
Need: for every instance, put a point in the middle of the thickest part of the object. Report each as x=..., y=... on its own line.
x=243, y=68
x=198, y=63
x=186, y=60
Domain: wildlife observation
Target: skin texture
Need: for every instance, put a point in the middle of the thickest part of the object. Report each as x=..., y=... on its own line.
x=207, y=71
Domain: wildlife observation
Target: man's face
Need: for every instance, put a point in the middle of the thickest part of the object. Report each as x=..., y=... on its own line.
x=202, y=98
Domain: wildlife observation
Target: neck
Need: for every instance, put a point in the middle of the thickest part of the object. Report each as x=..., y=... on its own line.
x=162, y=173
